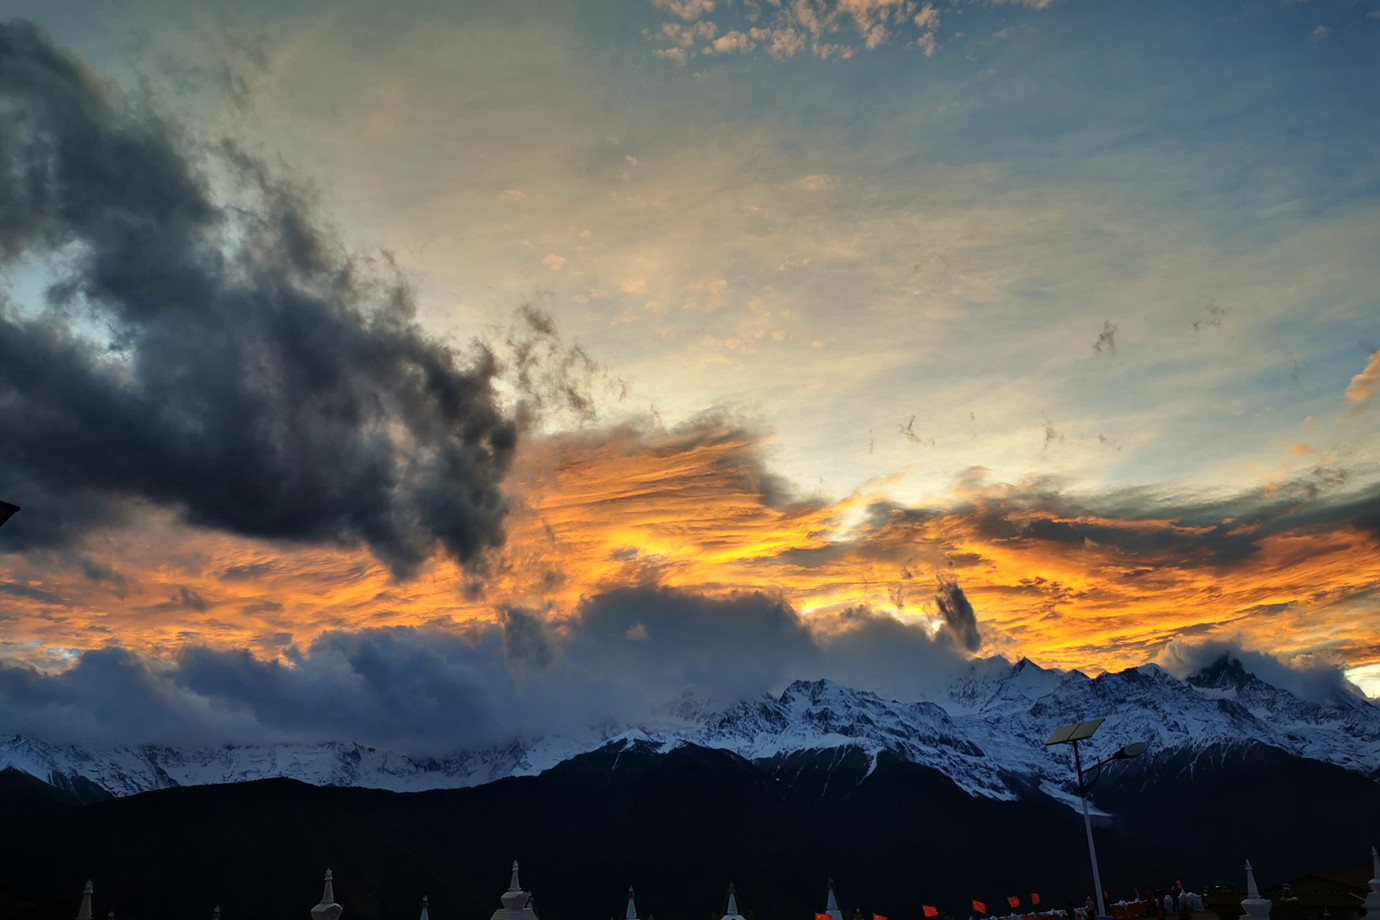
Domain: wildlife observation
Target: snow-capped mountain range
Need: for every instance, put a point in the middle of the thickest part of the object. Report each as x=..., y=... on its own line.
x=986, y=732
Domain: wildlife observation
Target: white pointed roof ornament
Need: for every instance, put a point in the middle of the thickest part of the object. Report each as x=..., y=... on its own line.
x=632, y=906
x=84, y=912
x=831, y=906
x=327, y=909
x=215, y=914
x=1256, y=907
x=425, y=901
x=517, y=904
x=1372, y=902
x=731, y=912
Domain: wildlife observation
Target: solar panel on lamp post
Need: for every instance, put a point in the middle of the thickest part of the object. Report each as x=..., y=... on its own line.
x=1072, y=734
x=6, y=509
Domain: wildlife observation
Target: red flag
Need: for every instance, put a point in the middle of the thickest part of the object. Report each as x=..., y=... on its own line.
x=929, y=911
x=1034, y=898
x=1013, y=900
x=980, y=907
x=1180, y=884
x=878, y=917
x=823, y=917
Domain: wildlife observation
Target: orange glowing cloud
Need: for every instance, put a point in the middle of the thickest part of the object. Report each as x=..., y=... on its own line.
x=698, y=511
x=1363, y=385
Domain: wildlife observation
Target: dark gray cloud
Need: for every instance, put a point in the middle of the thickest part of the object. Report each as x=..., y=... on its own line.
x=1214, y=317
x=1106, y=339
x=959, y=617
x=33, y=594
x=629, y=655
x=216, y=353
x=1186, y=529
x=247, y=572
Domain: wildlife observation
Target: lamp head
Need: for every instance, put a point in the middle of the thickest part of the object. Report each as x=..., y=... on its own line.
x=1134, y=749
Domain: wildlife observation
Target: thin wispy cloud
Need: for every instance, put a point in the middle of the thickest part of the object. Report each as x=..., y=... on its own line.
x=825, y=29
x=1106, y=339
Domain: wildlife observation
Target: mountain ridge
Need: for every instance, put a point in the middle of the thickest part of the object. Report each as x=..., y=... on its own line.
x=985, y=731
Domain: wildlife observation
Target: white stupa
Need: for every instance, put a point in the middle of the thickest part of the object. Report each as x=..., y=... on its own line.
x=425, y=901
x=631, y=913
x=517, y=904
x=1372, y=902
x=327, y=909
x=731, y=911
x=1256, y=907
x=84, y=912
x=831, y=906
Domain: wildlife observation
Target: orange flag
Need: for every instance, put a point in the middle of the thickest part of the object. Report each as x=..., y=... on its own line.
x=1034, y=898
x=1013, y=900
x=980, y=907
x=878, y=917
x=929, y=911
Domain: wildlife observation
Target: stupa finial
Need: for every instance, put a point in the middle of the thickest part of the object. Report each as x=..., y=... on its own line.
x=515, y=898
x=632, y=906
x=831, y=904
x=1372, y=902
x=84, y=912
x=327, y=909
x=1255, y=907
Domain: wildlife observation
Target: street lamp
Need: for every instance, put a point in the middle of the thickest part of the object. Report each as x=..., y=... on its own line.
x=1072, y=734
x=6, y=509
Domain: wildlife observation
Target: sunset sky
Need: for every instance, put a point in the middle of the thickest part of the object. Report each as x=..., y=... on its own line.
x=522, y=364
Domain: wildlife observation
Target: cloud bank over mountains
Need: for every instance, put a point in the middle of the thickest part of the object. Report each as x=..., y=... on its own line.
x=630, y=656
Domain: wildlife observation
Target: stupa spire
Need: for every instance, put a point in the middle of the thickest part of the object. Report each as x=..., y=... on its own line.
x=1372, y=902
x=517, y=904
x=831, y=905
x=424, y=905
x=1256, y=907
x=327, y=909
x=84, y=912
x=632, y=906
x=732, y=909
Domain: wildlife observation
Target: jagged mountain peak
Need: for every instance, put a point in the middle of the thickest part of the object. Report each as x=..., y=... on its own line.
x=1225, y=673
x=986, y=733
x=823, y=691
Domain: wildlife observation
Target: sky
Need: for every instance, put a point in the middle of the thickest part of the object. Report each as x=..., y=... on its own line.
x=431, y=372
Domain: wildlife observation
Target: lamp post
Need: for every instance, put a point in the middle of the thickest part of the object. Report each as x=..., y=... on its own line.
x=1072, y=734
x=6, y=509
